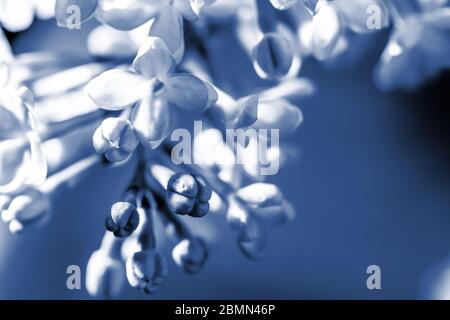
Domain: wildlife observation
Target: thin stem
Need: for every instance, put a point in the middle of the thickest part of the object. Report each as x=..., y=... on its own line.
x=111, y=245
x=62, y=128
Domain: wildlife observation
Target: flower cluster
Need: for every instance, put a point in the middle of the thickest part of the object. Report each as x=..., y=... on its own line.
x=154, y=66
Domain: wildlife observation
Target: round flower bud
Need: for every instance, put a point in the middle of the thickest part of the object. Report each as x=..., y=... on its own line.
x=188, y=194
x=190, y=255
x=116, y=139
x=104, y=275
x=123, y=220
x=273, y=56
x=146, y=270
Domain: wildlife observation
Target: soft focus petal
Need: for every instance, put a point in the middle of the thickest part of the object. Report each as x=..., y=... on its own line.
x=108, y=42
x=116, y=89
x=260, y=195
x=326, y=29
x=278, y=114
x=127, y=14
x=16, y=15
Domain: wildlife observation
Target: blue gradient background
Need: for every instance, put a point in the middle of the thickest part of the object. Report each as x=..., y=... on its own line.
x=371, y=187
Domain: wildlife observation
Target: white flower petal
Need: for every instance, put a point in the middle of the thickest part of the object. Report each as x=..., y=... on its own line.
x=189, y=93
x=152, y=119
x=169, y=27
x=326, y=31
x=154, y=59
x=128, y=14
x=16, y=15
x=116, y=89
x=108, y=42
x=278, y=114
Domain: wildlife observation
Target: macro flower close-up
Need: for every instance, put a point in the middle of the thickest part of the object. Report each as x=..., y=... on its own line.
x=224, y=149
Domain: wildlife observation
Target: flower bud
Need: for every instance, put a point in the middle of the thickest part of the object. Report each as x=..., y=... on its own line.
x=104, y=275
x=24, y=209
x=273, y=56
x=188, y=194
x=146, y=270
x=124, y=219
x=190, y=254
x=254, y=250
x=116, y=139
x=267, y=202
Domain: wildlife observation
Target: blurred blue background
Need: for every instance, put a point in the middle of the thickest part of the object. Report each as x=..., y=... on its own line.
x=371, y=187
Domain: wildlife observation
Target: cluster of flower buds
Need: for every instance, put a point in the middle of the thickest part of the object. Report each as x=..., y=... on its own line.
x=153, y=70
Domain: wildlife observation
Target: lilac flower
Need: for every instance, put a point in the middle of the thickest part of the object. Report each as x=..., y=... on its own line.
x=188, y=194
x=116, y=139
x=190, y=255
x=152, y=91
x=146, y=270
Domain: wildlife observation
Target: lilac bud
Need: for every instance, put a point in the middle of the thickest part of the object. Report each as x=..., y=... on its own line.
x=188, y=194
x=116, y=139
x=254, y=250
x=146, y=270
x=104, y=275
x=273, y=56
x=124, y=219
x=190, y=255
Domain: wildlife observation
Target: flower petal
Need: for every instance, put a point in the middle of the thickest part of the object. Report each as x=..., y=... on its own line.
x=108, y=42
x=116, y=89
x=154, y=59
x=16, y=15
x=278, y=114
x=127, y=15
x=326, y=31
x=189, y=93
x=152, y=119
x=168, y=26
